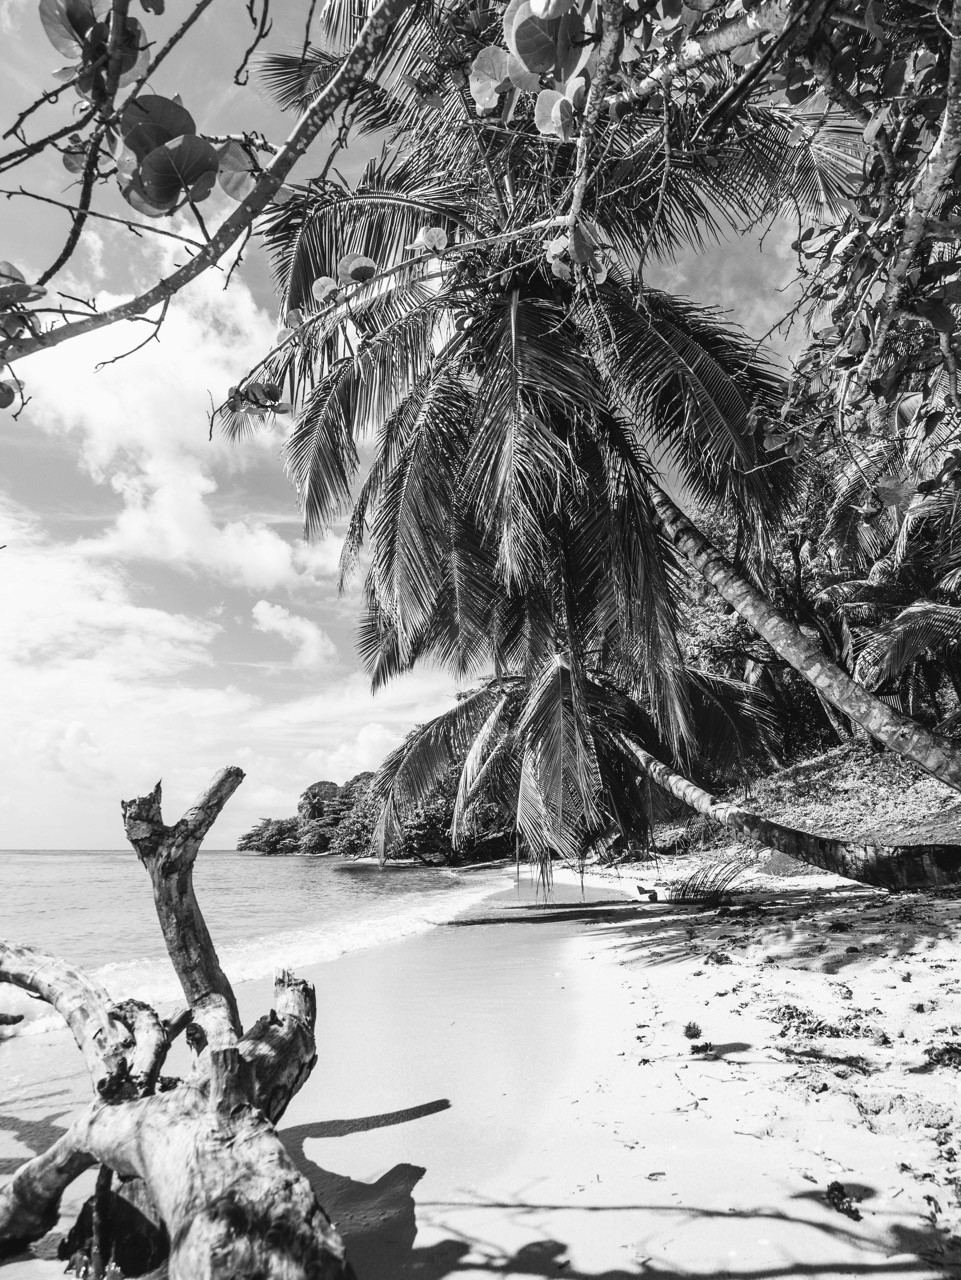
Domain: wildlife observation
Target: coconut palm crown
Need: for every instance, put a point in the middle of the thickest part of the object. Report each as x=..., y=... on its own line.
x=486, y=387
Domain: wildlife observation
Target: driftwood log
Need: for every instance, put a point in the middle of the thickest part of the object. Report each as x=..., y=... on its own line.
x=193, y=1174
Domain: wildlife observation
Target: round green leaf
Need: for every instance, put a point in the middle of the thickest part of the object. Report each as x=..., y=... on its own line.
x=544, y=111
x=489, y=76
x=186, y=164
x=562, y=118
x=133, y=192
x=362, y=268
x=67, y=22
x=149, y=121
x=238, y=172
x=13, y=288
x=431, y=238
x=534, y=40
x=574, y=50
x=323, y=287
x=521, y=78
x=8, y=393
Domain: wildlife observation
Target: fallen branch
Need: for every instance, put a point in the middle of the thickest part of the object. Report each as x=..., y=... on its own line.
x=204, y=1175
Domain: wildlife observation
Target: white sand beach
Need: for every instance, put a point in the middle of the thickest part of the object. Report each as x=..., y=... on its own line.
x=514, y=1094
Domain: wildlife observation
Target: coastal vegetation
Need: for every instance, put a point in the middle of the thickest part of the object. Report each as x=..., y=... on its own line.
x=650, y=553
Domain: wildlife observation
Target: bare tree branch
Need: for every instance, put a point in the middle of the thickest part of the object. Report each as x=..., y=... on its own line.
x=369, y=45
x=771, y=15
x=612, y=15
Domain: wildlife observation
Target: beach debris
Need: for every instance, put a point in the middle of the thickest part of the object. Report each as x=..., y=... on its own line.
x=718, y=957
x=947, y=1054
x=711, y=884
x=649, y=894
x=837, y=1197
x=692, y=1031
x=703, y=1048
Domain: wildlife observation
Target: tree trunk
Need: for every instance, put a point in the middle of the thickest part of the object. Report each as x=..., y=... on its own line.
x=919, y=866
x=202, y=1156
x=935, y=754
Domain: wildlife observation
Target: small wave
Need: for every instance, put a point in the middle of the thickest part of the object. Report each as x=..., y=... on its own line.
x=151, y=978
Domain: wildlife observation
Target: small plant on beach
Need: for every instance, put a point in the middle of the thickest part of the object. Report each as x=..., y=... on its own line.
x=692, y=1031
x=711, y=884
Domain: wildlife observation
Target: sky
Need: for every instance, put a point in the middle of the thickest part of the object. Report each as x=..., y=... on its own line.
x=161, y=615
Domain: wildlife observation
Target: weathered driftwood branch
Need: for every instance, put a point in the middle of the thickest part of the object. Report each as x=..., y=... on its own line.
x=887, y=867
x=169, y=854
x=200, y=1162
x=104, y=1040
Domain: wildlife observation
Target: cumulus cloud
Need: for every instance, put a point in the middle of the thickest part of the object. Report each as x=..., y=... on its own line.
x=129, y=655
x=313, y=648
x=141, y=425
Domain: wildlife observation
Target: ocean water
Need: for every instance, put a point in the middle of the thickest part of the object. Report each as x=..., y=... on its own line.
x=95, y=909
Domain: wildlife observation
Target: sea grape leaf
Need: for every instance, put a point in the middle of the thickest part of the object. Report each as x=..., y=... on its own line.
x=323, y=287
x=582, y=245
x=937, y=314
x=68, y=22
x=361, y=268
x=573, y=51
x=14, y=288
x=153, y=6
x=489, y=76
x=434, y=238
x=575, y=91
x=8, y=393
x=148, y=121
x=237, y=175
x=133, y=192
x=522, y=79
x=893, y=490
x=544, y=111
x=534, y=40
x=186, y=164
x=562, y=118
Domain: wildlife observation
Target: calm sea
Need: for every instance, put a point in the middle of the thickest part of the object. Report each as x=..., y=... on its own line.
x=95, y=908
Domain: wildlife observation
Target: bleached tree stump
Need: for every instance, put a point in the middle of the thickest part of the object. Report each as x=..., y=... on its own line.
x=199, y=1156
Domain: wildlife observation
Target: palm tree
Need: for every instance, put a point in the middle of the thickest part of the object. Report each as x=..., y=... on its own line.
x=518, y=390
x=557, y=755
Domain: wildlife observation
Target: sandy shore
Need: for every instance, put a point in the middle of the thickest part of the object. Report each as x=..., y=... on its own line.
x=515, y=1095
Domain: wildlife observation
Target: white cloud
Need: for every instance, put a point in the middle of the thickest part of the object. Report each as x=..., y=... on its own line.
x=104, y=690
x=360, y=753
x=142, y=426
x=313, y=648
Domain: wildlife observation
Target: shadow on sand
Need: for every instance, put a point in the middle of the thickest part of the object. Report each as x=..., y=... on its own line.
x=378, y=1222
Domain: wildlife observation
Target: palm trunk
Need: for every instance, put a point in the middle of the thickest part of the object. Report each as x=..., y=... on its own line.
x=918, y=866
x=934, y=753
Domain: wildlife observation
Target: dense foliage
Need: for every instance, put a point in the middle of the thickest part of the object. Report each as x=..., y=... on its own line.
x=485, y=384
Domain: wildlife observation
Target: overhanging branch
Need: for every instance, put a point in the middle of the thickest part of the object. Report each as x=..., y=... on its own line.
x=340, y=88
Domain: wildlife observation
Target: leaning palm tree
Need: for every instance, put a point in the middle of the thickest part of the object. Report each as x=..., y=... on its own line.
x=512, y=366
x=559, y=757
